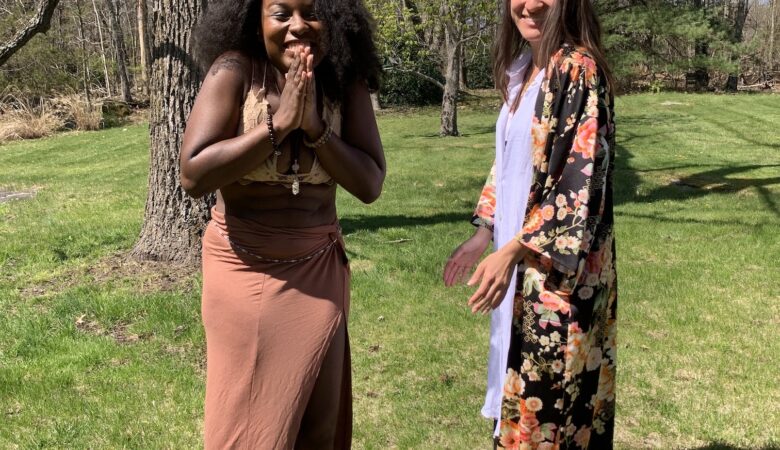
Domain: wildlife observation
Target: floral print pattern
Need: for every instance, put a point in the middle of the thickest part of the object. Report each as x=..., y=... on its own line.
x=486, y=207
x=559, y=391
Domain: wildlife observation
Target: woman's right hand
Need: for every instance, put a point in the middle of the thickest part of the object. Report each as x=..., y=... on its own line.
x=292, y=100
x=465, y=257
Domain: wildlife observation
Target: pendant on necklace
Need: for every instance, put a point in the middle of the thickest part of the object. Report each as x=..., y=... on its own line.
x=296, y=186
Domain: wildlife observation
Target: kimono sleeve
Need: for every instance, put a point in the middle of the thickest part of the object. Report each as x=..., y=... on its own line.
x=485, y=212
x=560, y=227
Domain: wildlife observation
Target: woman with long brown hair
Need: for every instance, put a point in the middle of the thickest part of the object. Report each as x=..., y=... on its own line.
x=547, y=206
x=283, y=117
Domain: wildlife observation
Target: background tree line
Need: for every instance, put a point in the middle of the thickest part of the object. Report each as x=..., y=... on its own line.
x=99, y=46
x=104, y=45
x=434, y=51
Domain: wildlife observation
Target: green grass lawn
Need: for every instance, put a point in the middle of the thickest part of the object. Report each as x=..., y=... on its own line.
x=97, y=351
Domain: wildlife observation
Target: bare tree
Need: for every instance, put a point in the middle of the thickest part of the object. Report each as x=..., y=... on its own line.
x=39, y=23
x=117, y=37
x=143, y=43
x=453, y=50
x=439, y=29
x=98, y=22
x=771, y=51
x=84, y=53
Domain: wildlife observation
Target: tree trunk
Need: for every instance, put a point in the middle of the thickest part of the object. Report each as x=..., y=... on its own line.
x=375, y=101
x=173, y=222
x=771, y=53
x=38, y=24
x=449, y=104
x=700, y=78
x=84, y=64
x=124, y=10
x=464, y=76
x=102, y=47
x=738, y=25
x=119, y=47
x=143, y=44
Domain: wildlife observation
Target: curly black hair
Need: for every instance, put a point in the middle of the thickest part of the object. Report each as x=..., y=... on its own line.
x=352, y=56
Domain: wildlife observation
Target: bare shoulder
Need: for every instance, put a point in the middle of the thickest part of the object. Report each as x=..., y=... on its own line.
x=232, y=61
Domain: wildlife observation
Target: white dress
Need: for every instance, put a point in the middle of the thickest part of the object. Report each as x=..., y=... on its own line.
x=514, y=170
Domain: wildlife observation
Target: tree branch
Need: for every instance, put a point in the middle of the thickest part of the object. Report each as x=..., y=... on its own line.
x=417, y=74
x=39, y=23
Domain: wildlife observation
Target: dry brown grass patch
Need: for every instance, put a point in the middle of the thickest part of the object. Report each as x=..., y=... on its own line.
x=83, y=115
x=23, y=119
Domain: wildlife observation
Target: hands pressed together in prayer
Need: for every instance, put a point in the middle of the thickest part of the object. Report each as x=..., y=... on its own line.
x=493, y=274
x=298, y=103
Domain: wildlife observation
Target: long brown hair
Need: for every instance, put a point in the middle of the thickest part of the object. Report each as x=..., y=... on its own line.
x=572, y=22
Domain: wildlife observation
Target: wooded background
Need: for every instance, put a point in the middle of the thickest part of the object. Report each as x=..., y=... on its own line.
x=103, y=47
x=432, y=49
x=99, y=53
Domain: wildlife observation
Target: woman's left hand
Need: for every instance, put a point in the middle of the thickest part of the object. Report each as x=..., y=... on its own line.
x=312, y=123
x=495, y=271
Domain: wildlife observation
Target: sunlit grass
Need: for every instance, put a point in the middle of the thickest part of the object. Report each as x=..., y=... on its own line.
x=97, y=354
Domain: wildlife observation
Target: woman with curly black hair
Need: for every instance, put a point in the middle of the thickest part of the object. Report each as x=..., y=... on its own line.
x=283, y=117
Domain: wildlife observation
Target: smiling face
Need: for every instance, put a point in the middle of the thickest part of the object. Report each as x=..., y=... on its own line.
x=288, y=25
x=529, y=16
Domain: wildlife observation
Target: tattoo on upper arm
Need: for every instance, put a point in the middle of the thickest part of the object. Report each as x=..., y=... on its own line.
x=228, y=63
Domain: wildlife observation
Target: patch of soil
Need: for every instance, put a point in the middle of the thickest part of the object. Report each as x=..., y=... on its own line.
x=118, y=331
x=7, y=196
x=152, y=276
x=145, y=276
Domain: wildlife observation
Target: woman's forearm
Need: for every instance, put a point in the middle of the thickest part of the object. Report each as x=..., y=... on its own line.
x=226, y=161
x=514, y=251
x=355, y=170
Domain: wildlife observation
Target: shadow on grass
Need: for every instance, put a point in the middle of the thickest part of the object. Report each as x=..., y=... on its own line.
x=723, y=446
x=467, y=132
x=476, y=131
x=372, y=223
x=716, y=180
x=626, y=181
x=719, y=180
x=690, y=220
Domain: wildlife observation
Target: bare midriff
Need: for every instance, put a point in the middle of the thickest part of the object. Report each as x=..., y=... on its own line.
x=274, y=204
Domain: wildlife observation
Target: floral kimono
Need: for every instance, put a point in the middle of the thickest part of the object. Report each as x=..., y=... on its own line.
x=559, y=390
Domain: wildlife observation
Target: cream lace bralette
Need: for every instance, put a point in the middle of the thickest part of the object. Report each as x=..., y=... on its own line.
x=254, y=112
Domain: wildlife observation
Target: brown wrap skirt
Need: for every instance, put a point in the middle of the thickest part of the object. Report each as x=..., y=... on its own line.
x=274, y=302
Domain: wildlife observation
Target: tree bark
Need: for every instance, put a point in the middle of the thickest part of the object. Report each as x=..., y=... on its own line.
x=173, y=221
x=449, y=104
x=143, y=44
x=375, y=101
x=39, y=23
x=119, y=47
